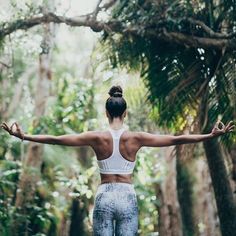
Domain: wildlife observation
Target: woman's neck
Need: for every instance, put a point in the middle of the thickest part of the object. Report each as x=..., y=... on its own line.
x=116, y=124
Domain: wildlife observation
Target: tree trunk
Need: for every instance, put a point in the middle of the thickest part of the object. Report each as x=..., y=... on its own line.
x=169, y=220
x=32, y=165
x=63, y=226
x=185, y=188
x=223, y=194
x=226, y=206
x=233, y=158
x=78, y=213
x=205, y=205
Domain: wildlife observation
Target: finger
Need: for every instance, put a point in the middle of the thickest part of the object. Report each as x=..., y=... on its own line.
x=17, y=126
x=232, y=127
x=217, y=123
x=19, y=130
x=229, y=124
x=4, y=126
x=12, y=127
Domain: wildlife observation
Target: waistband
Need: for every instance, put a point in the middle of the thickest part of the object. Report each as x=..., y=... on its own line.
x=115, y=187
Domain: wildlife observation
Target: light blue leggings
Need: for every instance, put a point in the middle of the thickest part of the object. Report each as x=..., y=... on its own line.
x=115, y=210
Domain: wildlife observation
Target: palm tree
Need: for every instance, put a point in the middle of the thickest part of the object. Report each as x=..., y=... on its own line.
x=185, y=81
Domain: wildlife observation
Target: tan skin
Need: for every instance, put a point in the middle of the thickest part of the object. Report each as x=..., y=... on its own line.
x=130, y=142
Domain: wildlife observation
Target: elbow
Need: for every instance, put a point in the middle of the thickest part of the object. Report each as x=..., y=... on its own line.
x=178, y=140
x=185, y=139
x=54, y=140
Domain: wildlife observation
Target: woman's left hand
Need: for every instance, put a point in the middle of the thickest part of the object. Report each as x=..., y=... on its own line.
x=217, y=131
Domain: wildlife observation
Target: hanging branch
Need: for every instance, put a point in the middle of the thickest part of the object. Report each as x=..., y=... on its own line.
x=214, y=40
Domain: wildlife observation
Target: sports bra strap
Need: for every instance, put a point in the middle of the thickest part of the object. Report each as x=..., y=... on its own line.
x=116, y=134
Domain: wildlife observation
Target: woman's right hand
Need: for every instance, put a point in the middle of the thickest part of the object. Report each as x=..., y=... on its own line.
x=18, y=132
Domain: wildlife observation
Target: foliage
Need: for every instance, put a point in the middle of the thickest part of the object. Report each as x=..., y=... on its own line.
x=73, y=110
x=179, y=79
x=8, y=178
x=69, y=110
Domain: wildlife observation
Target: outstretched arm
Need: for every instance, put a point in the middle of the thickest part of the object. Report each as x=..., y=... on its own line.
x=152, y=140
x=82, y=139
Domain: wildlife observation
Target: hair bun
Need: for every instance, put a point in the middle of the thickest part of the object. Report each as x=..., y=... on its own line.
x=115, y=91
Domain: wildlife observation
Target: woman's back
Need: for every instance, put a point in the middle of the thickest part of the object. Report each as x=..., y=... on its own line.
x=110, y=163
x=128, y=145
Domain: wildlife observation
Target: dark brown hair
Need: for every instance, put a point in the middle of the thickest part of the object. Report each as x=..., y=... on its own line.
x=116, y=104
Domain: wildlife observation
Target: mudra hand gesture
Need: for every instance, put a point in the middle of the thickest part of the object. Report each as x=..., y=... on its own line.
x=17, y=132
x=219, y=128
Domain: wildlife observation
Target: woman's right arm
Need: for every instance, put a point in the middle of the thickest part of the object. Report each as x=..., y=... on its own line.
x=83, y=139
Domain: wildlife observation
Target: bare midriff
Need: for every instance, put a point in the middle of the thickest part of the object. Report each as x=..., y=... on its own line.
x=116, y=178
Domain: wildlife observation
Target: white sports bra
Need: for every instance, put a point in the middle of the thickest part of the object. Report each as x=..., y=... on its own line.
x=116, y=163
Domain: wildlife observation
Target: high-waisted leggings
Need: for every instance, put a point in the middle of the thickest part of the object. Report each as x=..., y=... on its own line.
x=115, y=210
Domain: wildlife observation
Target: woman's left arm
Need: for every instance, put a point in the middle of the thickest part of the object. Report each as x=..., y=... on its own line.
x=216, y=131
x=152, y=140
x=82, y=139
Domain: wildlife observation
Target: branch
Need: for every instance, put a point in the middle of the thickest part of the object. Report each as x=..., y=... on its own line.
x=118, y=27
x=4, y=64
x=108, y=4
x=25, y=24
x=187, y=40
x=209, y=31
x=97, y=9
x=195, y=42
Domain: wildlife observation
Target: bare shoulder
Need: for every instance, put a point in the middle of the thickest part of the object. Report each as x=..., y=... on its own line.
x=154, y=140
x=93, y=135
x=138, y=135
x=98, y=136
x=135, y=136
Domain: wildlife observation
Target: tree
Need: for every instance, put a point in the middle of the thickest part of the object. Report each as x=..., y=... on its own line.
x=184, y=78
x=32, y=164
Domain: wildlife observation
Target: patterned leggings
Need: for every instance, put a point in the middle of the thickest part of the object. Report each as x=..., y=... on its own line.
x=115, y=210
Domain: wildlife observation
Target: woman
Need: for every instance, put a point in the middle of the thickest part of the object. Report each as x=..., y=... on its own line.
x=116, y=208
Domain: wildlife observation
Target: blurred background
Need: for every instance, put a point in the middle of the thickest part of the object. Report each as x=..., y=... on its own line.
x=176, y=62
